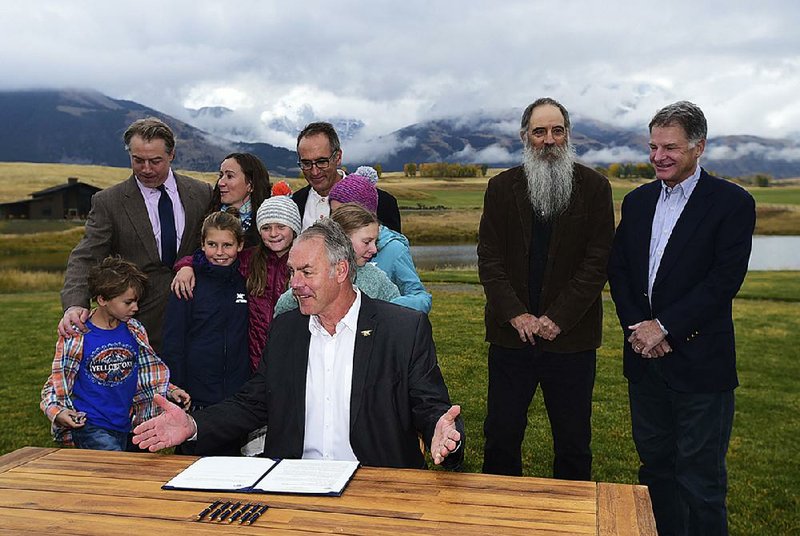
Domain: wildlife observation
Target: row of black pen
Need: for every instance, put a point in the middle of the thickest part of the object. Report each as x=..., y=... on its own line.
x=231, y=512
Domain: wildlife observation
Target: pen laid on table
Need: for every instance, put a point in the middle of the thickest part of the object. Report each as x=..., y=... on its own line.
x=258, y=514
x=219, y=510
x=236, y=515
x=208, y=509
x=228, y=511
x=249, y=514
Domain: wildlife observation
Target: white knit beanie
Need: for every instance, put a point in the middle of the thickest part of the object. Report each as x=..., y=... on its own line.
x=369, y=172
x=279, y=209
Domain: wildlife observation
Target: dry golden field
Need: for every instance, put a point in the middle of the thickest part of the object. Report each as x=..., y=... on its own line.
x=435, y=210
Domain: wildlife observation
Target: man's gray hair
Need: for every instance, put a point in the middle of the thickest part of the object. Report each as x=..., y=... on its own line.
x=337, y=244
x=149, y=129
x=526, y=115
x=685, y=114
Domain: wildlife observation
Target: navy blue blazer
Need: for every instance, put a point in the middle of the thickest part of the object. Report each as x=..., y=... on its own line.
x=702, y=269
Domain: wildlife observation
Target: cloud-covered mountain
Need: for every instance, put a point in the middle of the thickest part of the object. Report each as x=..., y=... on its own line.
x=83, y=126
x=346, y=128
x=86, y=127
x=493, y=139
x=248, y=125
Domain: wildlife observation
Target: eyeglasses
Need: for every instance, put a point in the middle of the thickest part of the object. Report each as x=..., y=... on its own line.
x=556, y=132
x=321, y=163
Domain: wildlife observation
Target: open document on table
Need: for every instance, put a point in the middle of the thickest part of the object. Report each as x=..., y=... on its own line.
x=263, y=475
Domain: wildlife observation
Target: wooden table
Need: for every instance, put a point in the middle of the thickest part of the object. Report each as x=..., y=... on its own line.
x=69, y=491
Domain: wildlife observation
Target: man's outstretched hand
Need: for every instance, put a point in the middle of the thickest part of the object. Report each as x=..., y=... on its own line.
x=446, y=438
x=172, y=427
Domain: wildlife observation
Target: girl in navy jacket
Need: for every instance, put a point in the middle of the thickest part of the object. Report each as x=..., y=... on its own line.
x=205, y=337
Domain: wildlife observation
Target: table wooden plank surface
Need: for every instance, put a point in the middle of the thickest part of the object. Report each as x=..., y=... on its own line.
x=95, y=492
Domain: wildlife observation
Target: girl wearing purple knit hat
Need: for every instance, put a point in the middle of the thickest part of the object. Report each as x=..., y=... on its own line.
x=394, y=255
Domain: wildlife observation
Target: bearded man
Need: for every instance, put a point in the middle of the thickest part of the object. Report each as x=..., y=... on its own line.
x=543, y=245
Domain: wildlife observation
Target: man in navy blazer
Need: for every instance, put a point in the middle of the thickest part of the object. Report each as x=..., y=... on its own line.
x=679, y=257
x=343, y=376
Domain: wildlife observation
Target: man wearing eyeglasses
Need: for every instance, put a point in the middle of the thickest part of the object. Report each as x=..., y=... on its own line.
x=319, y=157
x=543, y=244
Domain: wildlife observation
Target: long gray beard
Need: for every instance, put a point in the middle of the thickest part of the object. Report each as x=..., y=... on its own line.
x=549, y=173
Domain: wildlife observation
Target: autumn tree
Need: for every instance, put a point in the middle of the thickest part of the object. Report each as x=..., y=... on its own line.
x=761, y=180
x=645, y=170
x=445, y=169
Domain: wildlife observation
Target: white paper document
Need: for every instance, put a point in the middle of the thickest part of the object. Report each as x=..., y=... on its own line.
x=263, y=475
x=222, y=473
x=320, y=477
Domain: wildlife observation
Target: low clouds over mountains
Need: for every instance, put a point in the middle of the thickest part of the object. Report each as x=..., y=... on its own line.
x=77, y=126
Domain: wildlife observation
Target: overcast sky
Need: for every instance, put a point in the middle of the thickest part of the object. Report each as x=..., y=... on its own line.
x=391, y=64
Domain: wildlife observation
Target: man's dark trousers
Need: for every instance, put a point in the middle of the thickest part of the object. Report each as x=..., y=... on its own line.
x=567, y=381
x=682, y=439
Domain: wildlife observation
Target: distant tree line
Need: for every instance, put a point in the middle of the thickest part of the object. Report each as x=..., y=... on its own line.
x=642, y=170
x=629, y=170
x=445, y=169
x=762, y=180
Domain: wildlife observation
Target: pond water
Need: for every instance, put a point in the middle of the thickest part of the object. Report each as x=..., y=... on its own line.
x=769, y=253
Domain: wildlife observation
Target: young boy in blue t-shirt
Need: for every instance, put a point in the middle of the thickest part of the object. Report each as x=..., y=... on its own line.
x=104, y=381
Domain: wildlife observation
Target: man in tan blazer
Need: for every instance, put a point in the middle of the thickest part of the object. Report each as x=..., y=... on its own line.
x=126, y=220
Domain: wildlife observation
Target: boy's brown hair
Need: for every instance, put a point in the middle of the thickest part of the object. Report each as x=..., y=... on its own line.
x=113, y=277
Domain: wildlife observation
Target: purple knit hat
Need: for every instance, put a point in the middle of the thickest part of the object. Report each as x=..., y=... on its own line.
x=356, y=189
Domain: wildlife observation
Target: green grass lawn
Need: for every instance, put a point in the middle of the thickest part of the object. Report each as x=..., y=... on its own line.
x=451, y=198
x=779, y=195
x=764, y=468
x=470, y=195
x=473, y=198
x=29, y=227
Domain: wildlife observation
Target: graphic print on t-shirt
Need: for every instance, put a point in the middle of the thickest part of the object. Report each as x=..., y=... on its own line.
x=108, y=377
x=111, y=364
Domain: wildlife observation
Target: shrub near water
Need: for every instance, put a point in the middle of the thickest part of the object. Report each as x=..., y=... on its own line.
x=47, y=251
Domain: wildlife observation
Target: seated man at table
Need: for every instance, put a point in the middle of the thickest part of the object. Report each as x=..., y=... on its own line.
x=343, y=377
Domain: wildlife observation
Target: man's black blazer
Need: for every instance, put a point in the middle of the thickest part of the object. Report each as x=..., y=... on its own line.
x=388, y=211
x=702, y=268
x=397, y=391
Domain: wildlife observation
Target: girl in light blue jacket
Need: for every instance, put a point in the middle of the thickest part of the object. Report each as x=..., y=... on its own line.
x=394, y=255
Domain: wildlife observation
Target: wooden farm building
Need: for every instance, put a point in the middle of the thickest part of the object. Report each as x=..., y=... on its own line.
x=71, y=200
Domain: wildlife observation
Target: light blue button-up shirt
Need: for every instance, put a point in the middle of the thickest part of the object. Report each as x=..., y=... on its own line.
x=669, y=208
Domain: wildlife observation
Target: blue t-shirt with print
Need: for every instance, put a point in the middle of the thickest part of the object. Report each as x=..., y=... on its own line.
x=107, y=377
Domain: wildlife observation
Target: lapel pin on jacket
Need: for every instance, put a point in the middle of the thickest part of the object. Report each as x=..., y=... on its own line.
x=366, y=332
